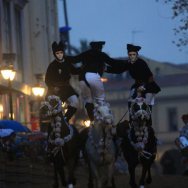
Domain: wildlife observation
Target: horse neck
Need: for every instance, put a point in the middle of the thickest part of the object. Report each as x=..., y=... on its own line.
x=98, y=132
x=136, y=131
x=64, y=125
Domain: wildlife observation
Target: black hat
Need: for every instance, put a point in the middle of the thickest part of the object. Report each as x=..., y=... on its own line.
x=184, y=117
x=58, y=47
x=97, y=44
x=132, y=48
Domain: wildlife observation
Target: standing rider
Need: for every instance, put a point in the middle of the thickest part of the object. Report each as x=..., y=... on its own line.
x=93, y=65
x=57, y=79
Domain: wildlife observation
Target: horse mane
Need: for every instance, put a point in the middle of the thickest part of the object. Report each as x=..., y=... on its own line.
x=100, y=111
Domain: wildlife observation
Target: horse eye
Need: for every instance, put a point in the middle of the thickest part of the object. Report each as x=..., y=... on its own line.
x=144, y=106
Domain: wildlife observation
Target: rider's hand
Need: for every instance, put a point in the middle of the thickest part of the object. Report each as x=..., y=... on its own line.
x=56, y=90
x=141, y=89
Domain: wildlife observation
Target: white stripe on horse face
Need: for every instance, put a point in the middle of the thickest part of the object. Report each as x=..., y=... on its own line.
x=141, y=112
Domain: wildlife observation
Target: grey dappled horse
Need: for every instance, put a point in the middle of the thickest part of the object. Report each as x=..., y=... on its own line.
x=138, y=142
x=62, y=140
x=100, y=148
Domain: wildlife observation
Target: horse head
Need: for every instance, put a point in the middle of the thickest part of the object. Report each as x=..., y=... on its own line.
x=140, y=111
x=52, y=106
x=103, y=113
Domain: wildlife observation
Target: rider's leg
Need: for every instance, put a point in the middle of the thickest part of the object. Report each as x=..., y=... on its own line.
x=150, y=100
x=132, y=95
x=96, y=87
x=87, y=98
x=90, y=107
x=72, y=107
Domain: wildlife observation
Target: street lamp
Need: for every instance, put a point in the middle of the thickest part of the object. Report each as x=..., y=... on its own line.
x=9, y=73
x=38, y=91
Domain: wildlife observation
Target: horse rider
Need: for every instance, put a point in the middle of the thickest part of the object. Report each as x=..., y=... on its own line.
x=58, y=76
x=140, y=72
x=184, y=129
x=182, y=140
x=93, y=65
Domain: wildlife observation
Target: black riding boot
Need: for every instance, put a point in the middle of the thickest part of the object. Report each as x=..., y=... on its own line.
x=150, y=119
x=90, y=107
x=70, y=112
x=129, y=106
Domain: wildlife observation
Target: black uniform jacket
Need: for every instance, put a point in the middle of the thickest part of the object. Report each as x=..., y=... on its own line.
x=93, y=61
x=58, y=75
x=139, y=71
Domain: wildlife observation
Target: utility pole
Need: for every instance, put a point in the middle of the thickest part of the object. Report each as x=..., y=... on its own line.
x=66, y=24
x=134, y=32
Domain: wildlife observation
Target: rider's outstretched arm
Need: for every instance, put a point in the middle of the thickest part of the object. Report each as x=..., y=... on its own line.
x=117, y=66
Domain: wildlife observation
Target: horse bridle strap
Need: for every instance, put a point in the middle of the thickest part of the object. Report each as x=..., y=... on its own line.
x=122, y=117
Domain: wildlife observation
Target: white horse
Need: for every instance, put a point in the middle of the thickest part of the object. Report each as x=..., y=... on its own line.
x=100, y=148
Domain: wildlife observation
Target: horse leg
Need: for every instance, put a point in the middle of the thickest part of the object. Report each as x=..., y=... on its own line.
x=59, y=169
x=56, y=183
x=110, y=178
x=90, y=179
x=96, y=175
x=70, y=168
x=132, y=161
x=132, y=181
x=145, y=169
x=62, y=175
x=149, y=178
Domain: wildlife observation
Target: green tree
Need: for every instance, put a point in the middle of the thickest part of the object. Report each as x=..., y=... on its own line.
x=180, y=13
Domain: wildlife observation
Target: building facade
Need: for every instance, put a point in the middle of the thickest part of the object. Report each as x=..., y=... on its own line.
x=27, y=29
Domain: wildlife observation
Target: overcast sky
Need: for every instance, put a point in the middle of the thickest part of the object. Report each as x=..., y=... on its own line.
x=118, y=22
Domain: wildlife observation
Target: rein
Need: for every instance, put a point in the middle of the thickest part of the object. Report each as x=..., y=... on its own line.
x=122, y=117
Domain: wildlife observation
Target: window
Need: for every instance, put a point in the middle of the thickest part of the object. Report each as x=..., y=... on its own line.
x=172, y=119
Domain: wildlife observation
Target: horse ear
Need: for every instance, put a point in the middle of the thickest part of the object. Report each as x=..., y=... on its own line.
x=96, y=105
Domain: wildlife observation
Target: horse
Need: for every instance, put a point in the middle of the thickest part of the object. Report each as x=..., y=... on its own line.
x=139, y=144
x=62, y=142
x=100, y=148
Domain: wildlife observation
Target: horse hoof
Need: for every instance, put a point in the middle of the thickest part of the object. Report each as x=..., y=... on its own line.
x=64, y=184
x=141, y=186
x=90, y=185
x=133, y=185
x=148, y=180
x=55, y=185
x=70, y=186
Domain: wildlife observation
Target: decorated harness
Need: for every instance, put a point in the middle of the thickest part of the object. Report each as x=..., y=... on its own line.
x=56, y=137
x=139, y=130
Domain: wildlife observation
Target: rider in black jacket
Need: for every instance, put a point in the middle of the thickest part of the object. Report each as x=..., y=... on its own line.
x=57, y=79
x=94, y=62
x=140, y=72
